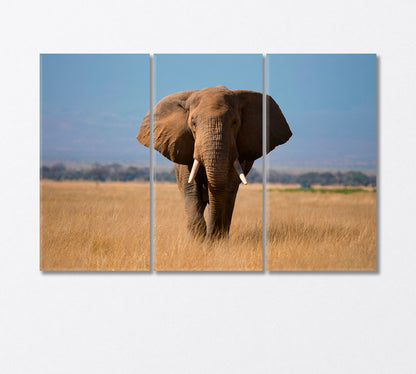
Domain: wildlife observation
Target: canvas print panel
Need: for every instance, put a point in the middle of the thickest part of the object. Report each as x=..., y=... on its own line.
x=321, y=190
x=94, y=210
x=207, y=138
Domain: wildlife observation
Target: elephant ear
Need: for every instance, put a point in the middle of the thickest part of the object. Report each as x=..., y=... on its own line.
x=171, y=134
x=249, y=140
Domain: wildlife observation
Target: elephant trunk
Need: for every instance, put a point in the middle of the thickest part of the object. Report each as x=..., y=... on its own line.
x=216, y=150
x=218, y=176
x=218, y=161
x=218, y=158
x=215, y=218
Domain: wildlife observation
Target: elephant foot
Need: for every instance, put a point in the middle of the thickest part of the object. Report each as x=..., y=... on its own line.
x=217, y=234
x=198, y=230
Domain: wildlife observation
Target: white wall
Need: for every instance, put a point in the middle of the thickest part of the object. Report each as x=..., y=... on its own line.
x=206, y=323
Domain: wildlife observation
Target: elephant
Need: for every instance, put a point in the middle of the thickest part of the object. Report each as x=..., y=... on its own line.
x=213, y=136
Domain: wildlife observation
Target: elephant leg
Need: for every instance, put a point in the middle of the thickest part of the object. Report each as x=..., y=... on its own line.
x=194, y=210
x=193, y=202
x=231, y=194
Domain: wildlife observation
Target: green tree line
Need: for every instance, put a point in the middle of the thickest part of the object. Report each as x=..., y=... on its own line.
x=117, y=172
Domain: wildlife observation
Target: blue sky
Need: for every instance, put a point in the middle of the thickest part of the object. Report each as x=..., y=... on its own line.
x=330, y=103
x=92, y=105
x=181, y=72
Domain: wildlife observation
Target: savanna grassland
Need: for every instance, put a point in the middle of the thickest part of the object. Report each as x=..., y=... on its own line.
x=175, y=250
x=321, y=230
x=90, y=226
x=105, y=226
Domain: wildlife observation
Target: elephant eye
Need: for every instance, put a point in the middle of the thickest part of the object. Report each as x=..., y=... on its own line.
x=193, y=124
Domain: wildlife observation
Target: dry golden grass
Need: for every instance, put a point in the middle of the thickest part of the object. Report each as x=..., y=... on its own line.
x=321, y=231
x=85, y=226
x=175, y=250
x=89, y=226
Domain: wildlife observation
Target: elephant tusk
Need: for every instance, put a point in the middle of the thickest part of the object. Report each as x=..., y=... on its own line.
x=240, y=172
x=194, y=170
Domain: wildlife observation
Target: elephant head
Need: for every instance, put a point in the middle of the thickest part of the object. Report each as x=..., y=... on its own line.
x=219, y=132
